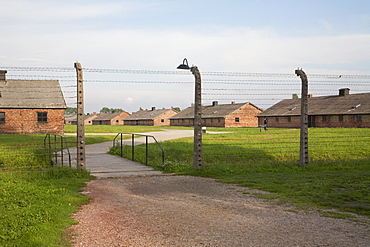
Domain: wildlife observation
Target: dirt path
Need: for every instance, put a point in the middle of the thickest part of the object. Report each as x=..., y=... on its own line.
x=191, y=211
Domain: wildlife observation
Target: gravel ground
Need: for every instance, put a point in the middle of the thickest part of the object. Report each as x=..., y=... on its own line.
x=192, y=211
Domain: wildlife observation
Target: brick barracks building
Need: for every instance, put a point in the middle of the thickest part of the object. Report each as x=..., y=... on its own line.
x=217, y=115
x=31, y=106
x=342, y=110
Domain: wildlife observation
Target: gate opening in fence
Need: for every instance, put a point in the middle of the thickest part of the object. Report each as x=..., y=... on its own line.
x=129, y=145
x=58, y=149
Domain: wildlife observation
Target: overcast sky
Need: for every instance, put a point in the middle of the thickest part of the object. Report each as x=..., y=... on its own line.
x=320, y=36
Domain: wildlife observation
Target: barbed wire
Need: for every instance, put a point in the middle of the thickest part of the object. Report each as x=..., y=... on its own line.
x=234, y=99
x=50, y=69
x=264, y=89
x=255, y=94
x=145, y=82
x=44, y=76
x=177, y=72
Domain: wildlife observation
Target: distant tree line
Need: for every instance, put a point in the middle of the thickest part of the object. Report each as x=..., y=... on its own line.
x=110, y=110
x=70, y=110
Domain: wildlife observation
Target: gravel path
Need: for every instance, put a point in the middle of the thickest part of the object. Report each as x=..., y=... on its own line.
x=192, y=211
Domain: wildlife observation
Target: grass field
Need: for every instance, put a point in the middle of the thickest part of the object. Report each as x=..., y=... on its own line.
x=35, y=207
x=37, y=200
x=36, y=204
x=338, y=176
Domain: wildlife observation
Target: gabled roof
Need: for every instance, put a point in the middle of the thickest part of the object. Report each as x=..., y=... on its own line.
x=212, y=111
x=31, y=94
x=70, y=117
x=325, y=105
x=73, y=117
x=148, y=114
x=107, y=116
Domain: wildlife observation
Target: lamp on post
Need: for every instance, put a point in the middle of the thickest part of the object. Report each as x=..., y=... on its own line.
x=197, y=113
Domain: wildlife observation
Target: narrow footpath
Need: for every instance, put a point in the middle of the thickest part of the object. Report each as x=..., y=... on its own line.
x=103, y=165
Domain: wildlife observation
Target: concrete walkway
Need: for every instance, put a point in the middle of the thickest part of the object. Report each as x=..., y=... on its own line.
x=103, y=165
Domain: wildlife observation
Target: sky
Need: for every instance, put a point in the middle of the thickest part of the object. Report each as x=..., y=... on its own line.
x=320, y=36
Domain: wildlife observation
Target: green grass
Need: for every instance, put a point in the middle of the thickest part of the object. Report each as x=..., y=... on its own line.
x=37, y=200
x=35, y=207
x=338, y=176
x=28, y=151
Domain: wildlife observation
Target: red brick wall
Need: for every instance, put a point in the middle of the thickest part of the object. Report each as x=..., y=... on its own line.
x=165, y=117
x=156, y=122
x=246, y=114
x=247, y=117
x=213, y=122
x=332, y=121
x=130, y=122
x=24, y=121
x=348, y=121
x=118, y=120
x=88, y=121
x=282, y=122
x=182, y=122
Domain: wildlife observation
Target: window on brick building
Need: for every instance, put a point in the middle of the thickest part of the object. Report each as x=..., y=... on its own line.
x=162, y=120
x=359, y=117
x=324, y=118
x=277, y=119
x=42, y=117
x=289, y=119
x=237, y=120
x=2, y=117
x=340, y=118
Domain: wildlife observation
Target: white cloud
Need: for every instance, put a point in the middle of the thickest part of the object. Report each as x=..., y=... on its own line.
x=237, y=50
x=47, y=10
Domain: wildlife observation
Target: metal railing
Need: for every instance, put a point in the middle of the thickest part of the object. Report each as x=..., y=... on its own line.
x=119, y=140
x=58, y=149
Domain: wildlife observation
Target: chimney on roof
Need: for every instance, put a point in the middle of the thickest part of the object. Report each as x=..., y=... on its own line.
x=153, y=108
x=309, y=96
x=214, y=103
x=232, y=102
x=344, y=91
x=2, y=75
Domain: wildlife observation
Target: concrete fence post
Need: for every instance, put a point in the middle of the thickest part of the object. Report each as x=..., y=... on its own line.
x=80, y=119
x=303, y=157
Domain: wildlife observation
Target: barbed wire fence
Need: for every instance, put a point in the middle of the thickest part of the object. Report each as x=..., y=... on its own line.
x=261, y=89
